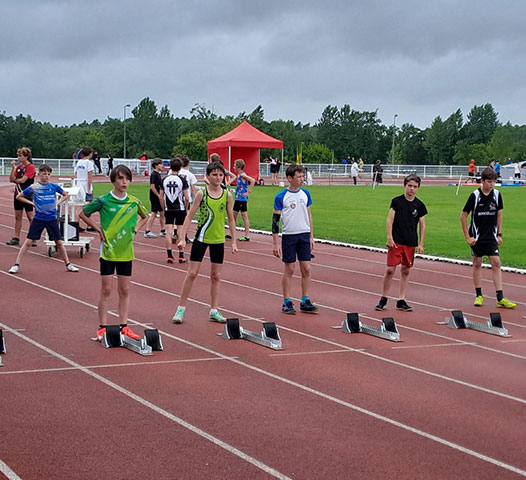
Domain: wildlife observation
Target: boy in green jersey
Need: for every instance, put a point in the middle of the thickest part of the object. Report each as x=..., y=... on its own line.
x=118, y=223
x=212, y=203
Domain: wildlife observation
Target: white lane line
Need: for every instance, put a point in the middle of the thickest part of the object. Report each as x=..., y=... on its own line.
x=4, y=468
x=274, y=376
x=436, y=345
x=321, y=352
x=226, y=446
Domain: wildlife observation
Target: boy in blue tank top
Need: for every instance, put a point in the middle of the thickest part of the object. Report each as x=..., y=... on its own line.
x=244, y=186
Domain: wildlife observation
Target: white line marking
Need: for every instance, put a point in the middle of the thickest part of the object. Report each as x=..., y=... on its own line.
x=8, y=472
x=437, y=345
x=321, y=352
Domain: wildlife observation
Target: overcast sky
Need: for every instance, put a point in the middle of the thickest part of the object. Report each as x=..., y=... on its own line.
x=66, y=61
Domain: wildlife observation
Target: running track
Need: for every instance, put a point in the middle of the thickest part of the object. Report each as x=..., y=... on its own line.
x=443, y=404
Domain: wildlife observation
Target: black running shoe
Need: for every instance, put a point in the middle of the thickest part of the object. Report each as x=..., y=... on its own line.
x=381, y=304
x=402, y=305
x=308, y=307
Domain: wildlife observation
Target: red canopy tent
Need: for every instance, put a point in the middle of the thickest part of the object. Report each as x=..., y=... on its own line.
x=244, y=142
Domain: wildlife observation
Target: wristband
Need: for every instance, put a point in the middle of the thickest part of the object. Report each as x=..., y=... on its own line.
x=275, y=222
x=499, y=234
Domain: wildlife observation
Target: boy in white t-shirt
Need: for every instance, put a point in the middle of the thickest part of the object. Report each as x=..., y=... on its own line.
x=84, y=169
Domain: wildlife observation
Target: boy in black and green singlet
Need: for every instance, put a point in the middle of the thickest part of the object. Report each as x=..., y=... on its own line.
x=212, y=202
x=118, y=223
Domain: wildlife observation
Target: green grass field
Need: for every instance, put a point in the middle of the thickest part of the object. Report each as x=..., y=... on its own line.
x=358, y=214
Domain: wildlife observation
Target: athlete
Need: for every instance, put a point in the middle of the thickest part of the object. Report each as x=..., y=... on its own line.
x=244, y=186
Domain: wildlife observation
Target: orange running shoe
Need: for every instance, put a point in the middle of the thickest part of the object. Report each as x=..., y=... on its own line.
x=127, y=331
x=170, y=260
x=100, y=333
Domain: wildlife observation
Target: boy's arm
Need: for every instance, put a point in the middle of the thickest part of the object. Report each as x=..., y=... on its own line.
x=499, y=227
x=311, y=230
x=181, y=242
x=63, y=198
x=12, y=174
x=186, y=199
x=90, y=182
x=161, y=197
x=231, y=221
x=231, y=177
x=88, y=221
x=141, y=223
x=464, y=222
x=389, y=228
x=251, y=182
x=276, y=247
x=422, y=224
x=22, y=198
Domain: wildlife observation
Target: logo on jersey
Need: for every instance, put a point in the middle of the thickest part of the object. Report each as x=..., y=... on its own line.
x=414, y=213
x=292, y=205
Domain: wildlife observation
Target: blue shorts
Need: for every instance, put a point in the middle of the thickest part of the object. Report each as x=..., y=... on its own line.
x=296, y=244
x=37, y=227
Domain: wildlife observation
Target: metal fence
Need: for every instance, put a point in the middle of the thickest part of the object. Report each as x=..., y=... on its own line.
x=64, y=167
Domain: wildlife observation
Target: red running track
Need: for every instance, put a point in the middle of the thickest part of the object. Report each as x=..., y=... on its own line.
x=441, y=404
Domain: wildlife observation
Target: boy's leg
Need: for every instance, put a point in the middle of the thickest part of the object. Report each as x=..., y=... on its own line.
x=191, y=274
x=244, y=216
x=123, y=288
x=168, y=241
x=404, y=280
x=496, y=271
x=388, y=278
x=18, y=223
x=215, y=280
x=106, y=287
x=62, y=250
x=150, y=221
x=286, y=280
x=477, y=269
x=162, y=220
x=23, y=250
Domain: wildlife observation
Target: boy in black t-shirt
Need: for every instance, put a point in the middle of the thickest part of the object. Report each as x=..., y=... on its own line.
x=405, y=215
x=485, y=234
x=156, y=183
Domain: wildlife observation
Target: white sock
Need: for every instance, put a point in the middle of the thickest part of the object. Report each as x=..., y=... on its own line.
x=213, y=311
x=181, y=308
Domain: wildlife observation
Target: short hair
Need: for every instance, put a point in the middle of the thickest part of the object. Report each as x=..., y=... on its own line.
x=175, y=164
x=156, y=161
x=239, y=163
x=86, y=151
x=214, y=166
x=186, y=160
x=25, y=152
x=44, y=168
x=489, y=174
x=292, y=169
x=215, y=157
x=120, y=169
x=413, y=177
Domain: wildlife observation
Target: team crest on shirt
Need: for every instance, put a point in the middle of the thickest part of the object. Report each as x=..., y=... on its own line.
x=414, y=213
x=292, y=205
x=222, y=207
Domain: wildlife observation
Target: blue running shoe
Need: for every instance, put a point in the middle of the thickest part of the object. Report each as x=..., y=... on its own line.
x=288, y=308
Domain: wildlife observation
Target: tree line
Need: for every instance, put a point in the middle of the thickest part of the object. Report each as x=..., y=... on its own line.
x=339, y=133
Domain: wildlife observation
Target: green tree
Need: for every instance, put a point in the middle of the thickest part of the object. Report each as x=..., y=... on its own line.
x=143, y=128
x=482, y=123
x=317, y=153
x=192, y=144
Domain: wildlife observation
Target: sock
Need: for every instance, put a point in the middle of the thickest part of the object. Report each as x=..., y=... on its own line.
x=122, y=325
x=182, y=309
x=213, y=311
x=162, y=230
x=102, y=326
x=147, y=231
x=170, y=253
x=383, y=300
x=181, y=254
x=479, y=292
x=304, y=299
x=500, y=295
x=17, y=264
x=285, y=300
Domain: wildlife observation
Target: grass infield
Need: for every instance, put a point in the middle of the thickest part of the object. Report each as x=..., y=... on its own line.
x=358, y=215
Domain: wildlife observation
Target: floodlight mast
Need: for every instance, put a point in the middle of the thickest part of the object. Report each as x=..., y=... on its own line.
x=124, y=116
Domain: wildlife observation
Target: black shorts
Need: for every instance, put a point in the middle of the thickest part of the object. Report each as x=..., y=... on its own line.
x=217, y=251
x=22, y=206
x=274, y=169
x=240, y=206
x=296, y=245
x=155, y=203
x=108, y=267
x=471, y=174
x=37, y=227
x=486, y=249
x=174, y=217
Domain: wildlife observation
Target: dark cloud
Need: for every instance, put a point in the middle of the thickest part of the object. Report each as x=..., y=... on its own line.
x=69, y=61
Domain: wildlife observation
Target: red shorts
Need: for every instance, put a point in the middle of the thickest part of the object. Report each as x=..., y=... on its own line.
x=401, y=254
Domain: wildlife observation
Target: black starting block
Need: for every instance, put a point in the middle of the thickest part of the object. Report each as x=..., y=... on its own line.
x=2, y=347
x=387, y=330
x=493, y=326
x=269, y=336
x=150, y=342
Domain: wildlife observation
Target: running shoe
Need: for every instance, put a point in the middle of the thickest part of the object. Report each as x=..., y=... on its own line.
x=188, y=240
x=228, y=236
x=217, y=317
x=308, y=307
x=244, y=239
x=14, y=269
x=178, y=315
x=288, y=308
x=162, y=233
x=402, y=305
x=13, y=241
x=149, y=235
x=71, y=268
x=478, y=301
x=128, y=332
x=100, y=333
x=505, y=303
x=34, y=243
x=182, y=260
x=170, y=260
x=381, y=304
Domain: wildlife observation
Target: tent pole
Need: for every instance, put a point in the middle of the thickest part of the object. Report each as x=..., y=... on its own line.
x=229, y=158
x=281, y=170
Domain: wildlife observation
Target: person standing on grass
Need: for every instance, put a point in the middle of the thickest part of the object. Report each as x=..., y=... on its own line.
x=355, y=170
x=213, y=202
x=174, y=200
x=156, y=184
x=118, y=224
x=244, y=186
x=84, y=176
x=45, y=203
x=22, y=175
x=405, y=217
x=292, y=206
x=484, y=235
x=377, y=173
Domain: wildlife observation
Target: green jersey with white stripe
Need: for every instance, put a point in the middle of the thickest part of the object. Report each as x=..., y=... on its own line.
x=118, y=218
x=211, y=221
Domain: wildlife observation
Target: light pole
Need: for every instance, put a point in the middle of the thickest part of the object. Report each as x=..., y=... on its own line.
x=125, y=107
x=394, y=133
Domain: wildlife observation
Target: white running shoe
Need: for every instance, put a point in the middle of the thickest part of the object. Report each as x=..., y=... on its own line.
x=14, y=269
x=178, y=315
x=71, y=268
x=150, y=235
x=216, y=317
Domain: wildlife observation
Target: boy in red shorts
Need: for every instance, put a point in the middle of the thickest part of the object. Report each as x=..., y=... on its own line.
x=405, y=216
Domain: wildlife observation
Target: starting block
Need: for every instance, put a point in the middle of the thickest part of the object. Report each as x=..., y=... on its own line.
x=2, y=347
x=387, y=330
x=269, y=336
x=493, y=326
x=144, y=346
